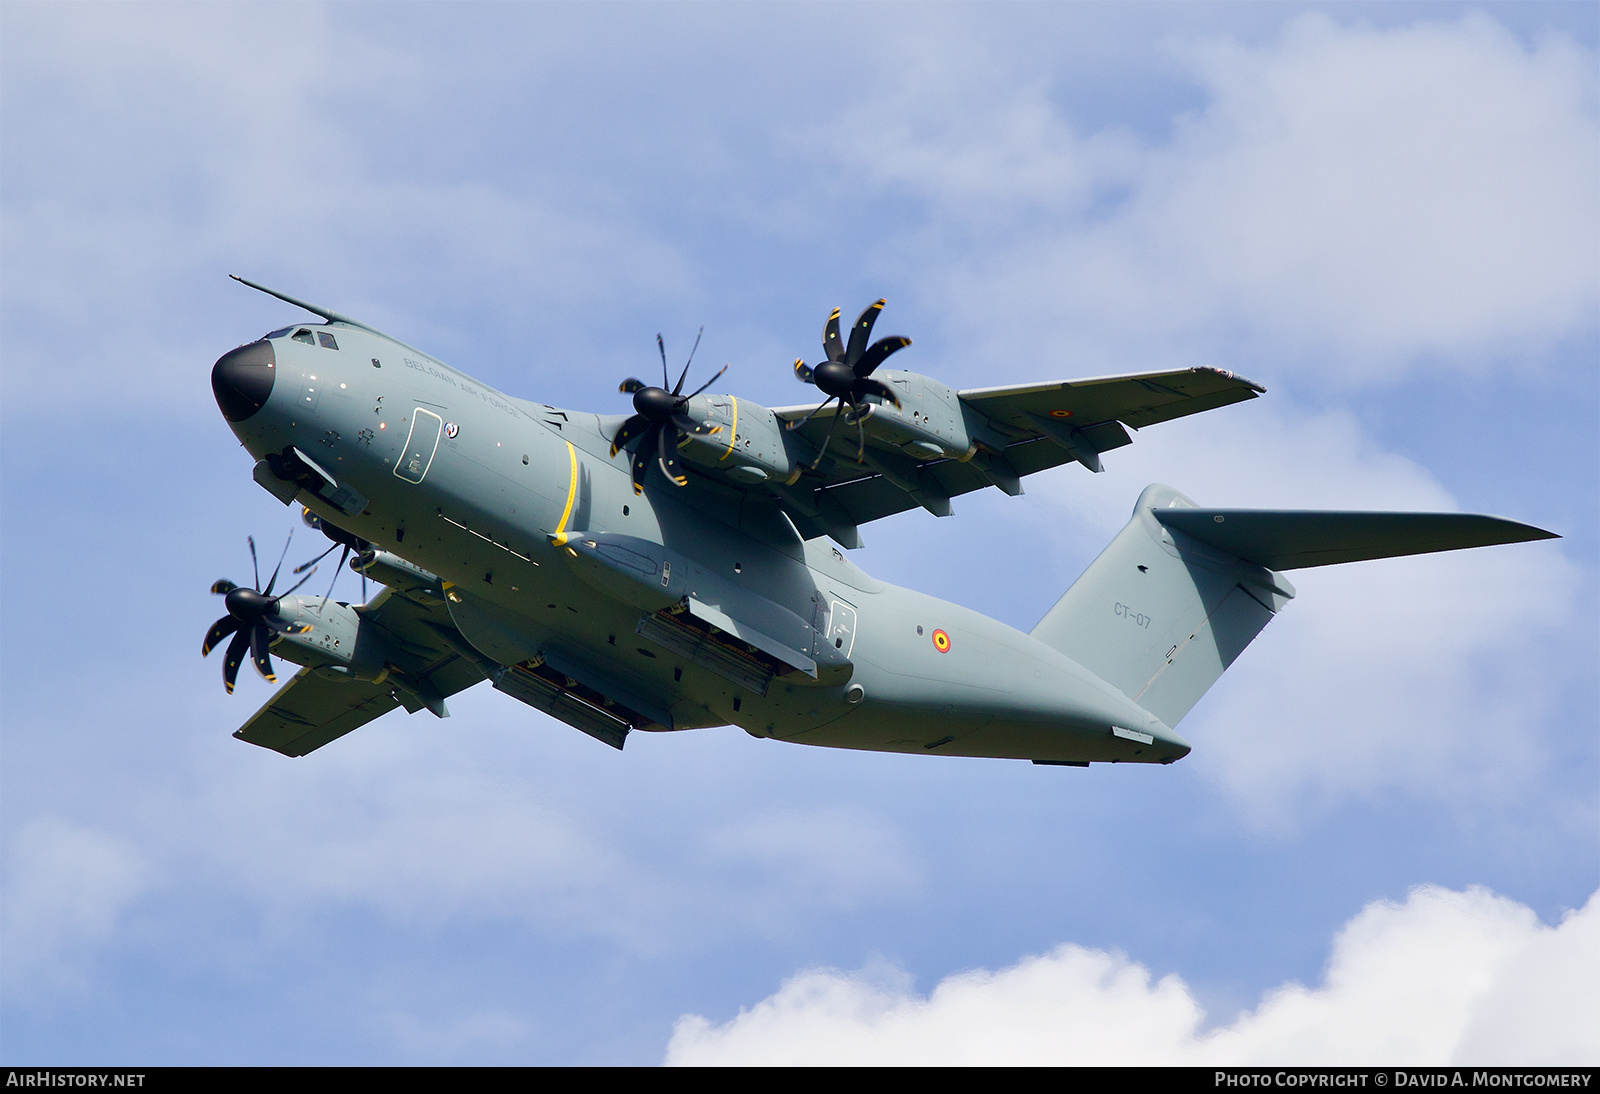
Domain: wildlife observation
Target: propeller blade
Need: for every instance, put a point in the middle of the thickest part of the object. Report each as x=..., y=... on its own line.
x=641, y=462
x=867, y=386
x=667, y=454
x=279, y=626
x=301, y=582
x=219, y=630
x=337, y=570
x=251, y=540
x=223, y=587
x=699, y=429
x=273, y=580
x=826, y=441
x=685, y=373
x=630, y=385
x=832, y=347
x=707, y=384
x=236, y=654
x=802, y=370
x=633, y=427
x=304, y=566
x=813, y=414
x=258, y=653
x=662, y=346
x=861, y=332
x=875, y=356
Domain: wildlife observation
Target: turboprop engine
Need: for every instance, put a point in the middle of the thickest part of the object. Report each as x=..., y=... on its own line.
x=928, y=423
x=751, y=445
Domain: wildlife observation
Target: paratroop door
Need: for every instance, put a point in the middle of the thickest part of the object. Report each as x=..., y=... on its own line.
x=420, y=445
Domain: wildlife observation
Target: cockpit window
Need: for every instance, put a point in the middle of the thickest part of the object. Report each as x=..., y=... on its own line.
x=327, y=340
x=280, y=332
x=303, y=335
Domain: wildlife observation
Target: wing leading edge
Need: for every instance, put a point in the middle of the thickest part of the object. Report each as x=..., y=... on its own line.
x=1019, y=431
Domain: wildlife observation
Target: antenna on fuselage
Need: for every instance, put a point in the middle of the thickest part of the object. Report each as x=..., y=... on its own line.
x=326, y=313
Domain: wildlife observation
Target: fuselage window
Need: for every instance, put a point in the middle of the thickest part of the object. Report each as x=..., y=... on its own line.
x=327, y=340
x=303, y=335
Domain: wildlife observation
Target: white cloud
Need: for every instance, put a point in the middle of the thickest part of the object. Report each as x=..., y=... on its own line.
x=167, y=148
x=1424, y=190
x=834, y=858
x=415, y=842
x=66, y=887
x=469, y=1037
x=1352, y=199
x=1444, y=978
x=420, y=839
x=1431, y=673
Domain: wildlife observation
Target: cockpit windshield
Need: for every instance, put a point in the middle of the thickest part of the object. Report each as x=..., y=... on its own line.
x=304, y=334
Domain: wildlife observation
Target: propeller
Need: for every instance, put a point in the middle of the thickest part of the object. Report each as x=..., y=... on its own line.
x=847, y=373
x=661, y=418
x=340, y=538
x=252, y=619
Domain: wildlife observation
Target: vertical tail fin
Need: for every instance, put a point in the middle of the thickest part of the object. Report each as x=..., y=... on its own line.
x=1159, y=614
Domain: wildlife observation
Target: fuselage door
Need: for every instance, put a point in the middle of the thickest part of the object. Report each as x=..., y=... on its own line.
x=841, y=626
x=420, y=445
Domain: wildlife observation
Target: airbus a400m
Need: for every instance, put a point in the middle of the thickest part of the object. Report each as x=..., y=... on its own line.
x=684, y=566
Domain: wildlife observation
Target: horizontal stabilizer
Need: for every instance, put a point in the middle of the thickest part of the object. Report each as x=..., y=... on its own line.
x=1181, y=591
x=1291, y=539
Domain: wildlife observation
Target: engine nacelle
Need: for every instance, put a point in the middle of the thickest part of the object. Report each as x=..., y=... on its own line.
x=929, y=423
x=338, y=639
x=333, y=637
x=753, y=447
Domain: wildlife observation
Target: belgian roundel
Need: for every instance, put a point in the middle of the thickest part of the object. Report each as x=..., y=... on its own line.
x=941, y=641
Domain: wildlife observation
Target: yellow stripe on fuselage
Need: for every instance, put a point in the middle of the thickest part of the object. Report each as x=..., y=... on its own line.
x=572, y=495
x=733, y=433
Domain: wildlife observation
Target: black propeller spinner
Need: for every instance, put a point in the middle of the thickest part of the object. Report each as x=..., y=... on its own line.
x=847, y=373
x=253, y=613
x=665, y=413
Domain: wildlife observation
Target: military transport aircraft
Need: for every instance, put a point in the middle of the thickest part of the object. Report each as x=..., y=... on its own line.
x=680, y=567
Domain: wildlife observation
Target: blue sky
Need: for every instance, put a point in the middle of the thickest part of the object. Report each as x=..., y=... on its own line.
x=1386, y=215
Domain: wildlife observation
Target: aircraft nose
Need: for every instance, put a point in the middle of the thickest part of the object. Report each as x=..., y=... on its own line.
x=242, y=379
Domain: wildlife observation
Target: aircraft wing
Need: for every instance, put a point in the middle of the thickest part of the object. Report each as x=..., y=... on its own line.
x=1137, y=401
x=1026, y=429
x=313, y=708
x=321, y=704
